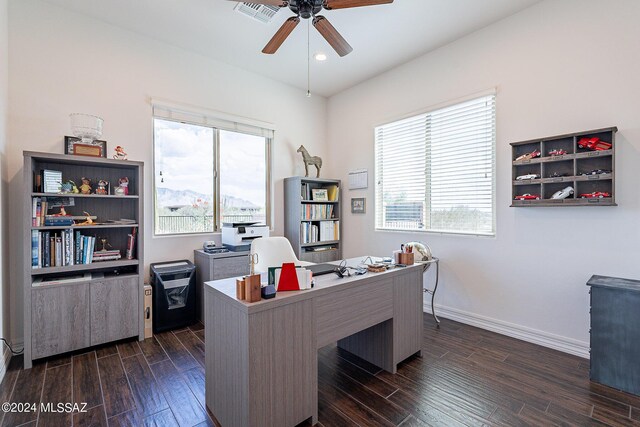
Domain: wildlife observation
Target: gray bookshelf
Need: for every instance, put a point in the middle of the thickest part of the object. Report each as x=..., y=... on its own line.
x=560, y=171
x=105, y=302
x=298, y=204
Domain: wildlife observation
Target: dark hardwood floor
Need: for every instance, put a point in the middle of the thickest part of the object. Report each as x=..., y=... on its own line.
x=465, y=377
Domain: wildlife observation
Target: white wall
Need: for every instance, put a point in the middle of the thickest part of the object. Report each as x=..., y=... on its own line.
x=63, y=62
x=4, y=100
x=559, y=67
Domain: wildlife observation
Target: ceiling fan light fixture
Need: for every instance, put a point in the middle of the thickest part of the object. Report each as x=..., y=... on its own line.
x=320, y=57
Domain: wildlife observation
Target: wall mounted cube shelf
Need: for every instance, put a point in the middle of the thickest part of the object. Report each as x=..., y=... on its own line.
x=586, y=170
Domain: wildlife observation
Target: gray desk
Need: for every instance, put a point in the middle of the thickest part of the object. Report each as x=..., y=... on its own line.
x=261, y=358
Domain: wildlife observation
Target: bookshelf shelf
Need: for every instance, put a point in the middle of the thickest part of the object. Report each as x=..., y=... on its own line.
x=84, y=227
x=84, y=267
x=66, y=316
x=302, y=230
x=316, y=202
x=325, y=243
x=86, y=196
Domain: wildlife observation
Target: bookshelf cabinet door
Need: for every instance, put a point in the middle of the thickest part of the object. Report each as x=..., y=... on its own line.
x=60, y=319
x=114, y=309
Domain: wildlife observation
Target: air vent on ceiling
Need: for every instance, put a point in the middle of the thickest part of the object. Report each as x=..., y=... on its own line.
x=260, y=12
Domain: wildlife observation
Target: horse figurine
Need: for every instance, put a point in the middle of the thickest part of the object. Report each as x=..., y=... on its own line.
x=310, y=160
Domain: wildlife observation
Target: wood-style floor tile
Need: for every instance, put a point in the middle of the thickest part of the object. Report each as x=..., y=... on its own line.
x=161, y=419
x=193, y=345
x=57, y=390
x=128, y=349
x=86, y=380
x=115, y=387
x=146, y=392
x=27, y=389
x=152, y=350
x=182, y=401
x=94, y=417
x=181, y=358
x=200, y=334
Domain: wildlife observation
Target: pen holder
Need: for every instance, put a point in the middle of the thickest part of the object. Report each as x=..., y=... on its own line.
x=240, y=289
x=252, y=288
x=403, y=258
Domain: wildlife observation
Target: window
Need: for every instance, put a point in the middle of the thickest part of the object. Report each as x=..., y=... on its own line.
x=206, y=175
x=435, y=171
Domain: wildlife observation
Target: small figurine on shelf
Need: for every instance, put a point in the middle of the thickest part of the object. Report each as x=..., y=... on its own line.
x=123, y=188
x=74, y=187
x=120, y=153
x=104, y=243
x=66, y=187
x=103, y=187
x=62, y=212
x=85, y=188
x=87, y=221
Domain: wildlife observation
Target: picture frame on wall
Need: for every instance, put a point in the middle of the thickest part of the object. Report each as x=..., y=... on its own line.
x=320, y=195
x=74, y=146
x=358, y=205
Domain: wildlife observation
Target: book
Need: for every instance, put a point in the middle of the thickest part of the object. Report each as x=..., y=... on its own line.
x=131, y=241
x=34, y=249
x=58, y=221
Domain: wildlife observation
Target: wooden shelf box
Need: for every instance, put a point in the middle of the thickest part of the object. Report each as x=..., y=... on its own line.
x=570, y=169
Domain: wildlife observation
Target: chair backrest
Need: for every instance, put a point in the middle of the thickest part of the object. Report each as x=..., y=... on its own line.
x=272, y=252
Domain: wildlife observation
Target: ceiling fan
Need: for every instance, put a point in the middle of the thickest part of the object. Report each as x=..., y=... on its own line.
x=307, y=9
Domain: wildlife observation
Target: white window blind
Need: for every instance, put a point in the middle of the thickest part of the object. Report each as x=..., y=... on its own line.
x=435, y=171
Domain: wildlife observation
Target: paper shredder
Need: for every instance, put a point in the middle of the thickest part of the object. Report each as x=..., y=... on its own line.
x=174, y=295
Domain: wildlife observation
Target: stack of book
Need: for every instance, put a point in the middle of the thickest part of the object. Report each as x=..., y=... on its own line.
x=111, y=255
x=329, y=230
x=323, y=232
x=38, y=211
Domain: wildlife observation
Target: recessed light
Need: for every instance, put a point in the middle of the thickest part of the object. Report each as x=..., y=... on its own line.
x=320, y=56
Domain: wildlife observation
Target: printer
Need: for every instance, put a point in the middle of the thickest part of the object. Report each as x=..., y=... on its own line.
x=237, y=236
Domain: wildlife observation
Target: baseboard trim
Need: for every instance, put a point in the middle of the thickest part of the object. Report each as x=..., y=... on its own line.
x=545, y=339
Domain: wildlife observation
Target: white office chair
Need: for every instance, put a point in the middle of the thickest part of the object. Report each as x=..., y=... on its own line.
x=273, y=252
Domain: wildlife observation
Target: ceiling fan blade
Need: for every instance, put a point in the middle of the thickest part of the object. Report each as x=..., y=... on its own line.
x=343, y=4
x=331, y=35
x=281, y=3
x=281, y=35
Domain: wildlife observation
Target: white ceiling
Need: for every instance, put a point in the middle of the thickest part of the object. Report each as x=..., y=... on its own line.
x=382, y=36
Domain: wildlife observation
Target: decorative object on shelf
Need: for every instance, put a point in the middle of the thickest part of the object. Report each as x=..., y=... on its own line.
x=62, y=212
x=557, y=152
x=595, y=195
x=76, y=147
x=120, y=153
x=66, y=187
x=563, y=194
x=104, y=242
x=527, y=196
x=88, y=220
x=527, y=177
x=85, y=188
x=320, y=195
x=310, y=160
x=52, y=181
x=86, y=126
x=103, y=187
x=358, y=205
x=529, y=156
x=595, y=144
x=123, y=187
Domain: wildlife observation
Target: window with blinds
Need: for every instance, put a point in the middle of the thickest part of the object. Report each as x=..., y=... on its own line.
x=435, y=171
